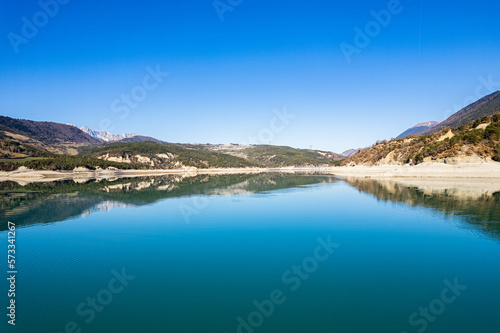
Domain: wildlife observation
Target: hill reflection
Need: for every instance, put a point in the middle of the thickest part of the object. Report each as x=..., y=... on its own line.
x=36, y=203
x=476, y=201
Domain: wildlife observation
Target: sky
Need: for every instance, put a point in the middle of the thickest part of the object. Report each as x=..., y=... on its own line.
x=330, y=75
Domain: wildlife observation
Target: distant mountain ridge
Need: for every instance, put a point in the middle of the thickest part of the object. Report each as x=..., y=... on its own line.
x=109, y=137
x=272, y=156
x=40, y=137
x=451, y=141
x=349, y=152
x=48, y=146
x=106, y=136
x=45, y=131
x=484, y=107
x=140, y=138
x=417, y=128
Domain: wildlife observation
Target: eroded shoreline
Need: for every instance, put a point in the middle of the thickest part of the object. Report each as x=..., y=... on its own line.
x=30, y=176
x=425, y=170
x=483, y=170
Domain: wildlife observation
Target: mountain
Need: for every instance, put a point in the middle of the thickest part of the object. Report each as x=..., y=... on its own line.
x=471, y=134
x=272, y=156
x=46, y=146
x=174, y=156
x=109, y=137
x=44, y=131
x=473, y=142
x=165, y=156
x=106, y=136
x=349, y=152
x=417, y=128
x=21, y=138
x=139, y=138
x=484, y=107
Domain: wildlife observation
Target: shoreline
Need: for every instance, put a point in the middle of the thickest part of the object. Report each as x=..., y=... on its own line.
x=459, y=188
x=27, y=175
x=480, y=170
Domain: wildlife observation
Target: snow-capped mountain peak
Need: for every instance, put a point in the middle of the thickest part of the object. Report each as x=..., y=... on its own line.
x=106, y=136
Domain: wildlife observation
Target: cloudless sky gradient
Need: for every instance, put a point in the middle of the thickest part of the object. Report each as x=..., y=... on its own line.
x=227, y=76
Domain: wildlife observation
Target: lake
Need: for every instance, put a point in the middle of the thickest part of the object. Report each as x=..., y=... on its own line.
x=251, y=253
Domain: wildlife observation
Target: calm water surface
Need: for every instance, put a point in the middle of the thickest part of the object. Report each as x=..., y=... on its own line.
x=251, y=253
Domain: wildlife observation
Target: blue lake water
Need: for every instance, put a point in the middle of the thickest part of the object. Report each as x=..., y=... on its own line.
x=250, y=253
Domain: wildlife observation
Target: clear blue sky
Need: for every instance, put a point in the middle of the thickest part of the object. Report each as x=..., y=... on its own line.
x=227, y=76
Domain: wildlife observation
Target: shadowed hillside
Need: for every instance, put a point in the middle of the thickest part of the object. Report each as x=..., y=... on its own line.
x=46, y=132
x=486, y=106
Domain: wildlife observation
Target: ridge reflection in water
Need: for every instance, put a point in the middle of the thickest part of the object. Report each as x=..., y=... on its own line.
x=48, y=202
x=397, y=247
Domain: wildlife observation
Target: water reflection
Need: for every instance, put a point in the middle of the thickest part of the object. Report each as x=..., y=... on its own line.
x=476, y=201
x=47, y=202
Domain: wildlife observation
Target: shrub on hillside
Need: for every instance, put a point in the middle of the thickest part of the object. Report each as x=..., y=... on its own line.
x=492, y=131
